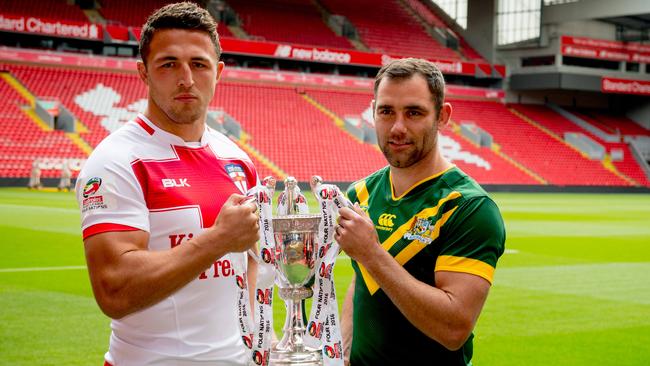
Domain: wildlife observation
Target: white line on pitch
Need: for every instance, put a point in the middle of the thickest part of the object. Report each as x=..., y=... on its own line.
x=37, y=269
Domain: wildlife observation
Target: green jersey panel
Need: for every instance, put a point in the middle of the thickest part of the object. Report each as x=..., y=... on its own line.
x=443, y=223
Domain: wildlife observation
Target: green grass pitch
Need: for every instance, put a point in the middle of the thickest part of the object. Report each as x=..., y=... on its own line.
x=572, y=289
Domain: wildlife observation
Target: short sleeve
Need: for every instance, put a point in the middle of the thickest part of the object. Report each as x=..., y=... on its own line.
x=473, y=239
x=110, y=197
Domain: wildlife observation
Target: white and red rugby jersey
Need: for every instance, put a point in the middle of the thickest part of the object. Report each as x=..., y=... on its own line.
x=143, y=178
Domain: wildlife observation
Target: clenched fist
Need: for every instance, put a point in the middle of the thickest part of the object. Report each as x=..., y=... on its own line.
x=356, y=233
x=236, y=227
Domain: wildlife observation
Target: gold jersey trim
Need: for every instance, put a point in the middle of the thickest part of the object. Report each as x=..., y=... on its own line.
x=465, y=265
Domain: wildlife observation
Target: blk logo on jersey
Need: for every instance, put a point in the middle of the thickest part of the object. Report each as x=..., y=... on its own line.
x=238, y=176
x=420, y=230
x=171, y=183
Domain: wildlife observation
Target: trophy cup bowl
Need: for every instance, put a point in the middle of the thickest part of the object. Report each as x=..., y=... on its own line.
x=296, y=247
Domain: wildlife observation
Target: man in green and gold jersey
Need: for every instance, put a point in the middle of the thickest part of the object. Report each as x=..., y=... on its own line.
x=424, y=237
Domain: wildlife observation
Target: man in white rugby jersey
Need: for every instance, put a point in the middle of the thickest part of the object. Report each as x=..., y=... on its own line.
x=163, y=211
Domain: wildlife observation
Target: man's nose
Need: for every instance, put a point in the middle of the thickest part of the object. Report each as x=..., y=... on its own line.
x=185, y=79
x=399, y=126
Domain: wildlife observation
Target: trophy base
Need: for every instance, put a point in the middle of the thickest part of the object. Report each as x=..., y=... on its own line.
x=307, y=357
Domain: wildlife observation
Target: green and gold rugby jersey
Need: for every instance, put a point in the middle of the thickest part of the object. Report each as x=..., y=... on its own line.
x=443, y=223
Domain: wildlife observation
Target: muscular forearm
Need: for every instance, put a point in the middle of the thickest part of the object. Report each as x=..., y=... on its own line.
x=434, y=312
x=138, y=278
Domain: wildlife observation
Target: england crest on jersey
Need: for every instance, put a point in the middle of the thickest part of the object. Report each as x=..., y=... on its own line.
x=236, y=173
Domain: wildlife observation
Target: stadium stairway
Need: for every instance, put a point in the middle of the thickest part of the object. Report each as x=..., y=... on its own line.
x=357, y=43
x=286, y=21
x=607, y=163
x=19, y=87
x=419, y=17
x=336, y=119
x=388, y=28
x=22, y=141
x=484, y=164
x=538, y=151
x=264, y=165
x=31, y=113
x=496, y=149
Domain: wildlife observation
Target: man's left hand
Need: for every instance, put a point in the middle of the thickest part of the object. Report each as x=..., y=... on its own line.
x=356, y=233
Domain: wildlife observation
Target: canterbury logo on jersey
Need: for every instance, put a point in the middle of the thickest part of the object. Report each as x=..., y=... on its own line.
x=385, y=222
x=170, y=183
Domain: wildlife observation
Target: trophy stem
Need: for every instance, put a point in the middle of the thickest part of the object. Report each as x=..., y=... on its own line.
x=294, y=327
x=291, y=350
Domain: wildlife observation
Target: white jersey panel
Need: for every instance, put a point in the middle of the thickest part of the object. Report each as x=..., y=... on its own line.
x=153, y=181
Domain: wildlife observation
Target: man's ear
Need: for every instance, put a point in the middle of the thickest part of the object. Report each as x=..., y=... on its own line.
x=142, y=71
x=445, y=116
x=220, y=66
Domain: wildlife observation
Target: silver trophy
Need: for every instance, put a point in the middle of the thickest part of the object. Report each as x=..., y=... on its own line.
x=296, y=248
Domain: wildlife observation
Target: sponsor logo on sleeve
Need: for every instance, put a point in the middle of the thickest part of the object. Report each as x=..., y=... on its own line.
x=92, y=200
x=92, y=186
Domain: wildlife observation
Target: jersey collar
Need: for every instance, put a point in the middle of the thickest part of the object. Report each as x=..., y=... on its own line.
x=392, y=191
x=163, y=135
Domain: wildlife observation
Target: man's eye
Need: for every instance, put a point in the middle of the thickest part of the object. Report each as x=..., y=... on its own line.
x=199, y=65
x=167, y=65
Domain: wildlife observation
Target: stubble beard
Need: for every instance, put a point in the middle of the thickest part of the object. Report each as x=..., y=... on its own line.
x=410, y=157
x=184, y=116
x=179, y=114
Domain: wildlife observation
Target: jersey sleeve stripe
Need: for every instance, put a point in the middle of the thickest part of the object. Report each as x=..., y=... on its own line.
x=362, y=193
x=465, y=265
x=106, y=227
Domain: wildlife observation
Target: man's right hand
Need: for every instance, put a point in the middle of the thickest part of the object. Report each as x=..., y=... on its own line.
x=236, y=227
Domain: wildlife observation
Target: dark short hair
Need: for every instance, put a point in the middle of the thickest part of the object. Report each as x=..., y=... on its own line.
x=405, y=68
x=185, y=15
